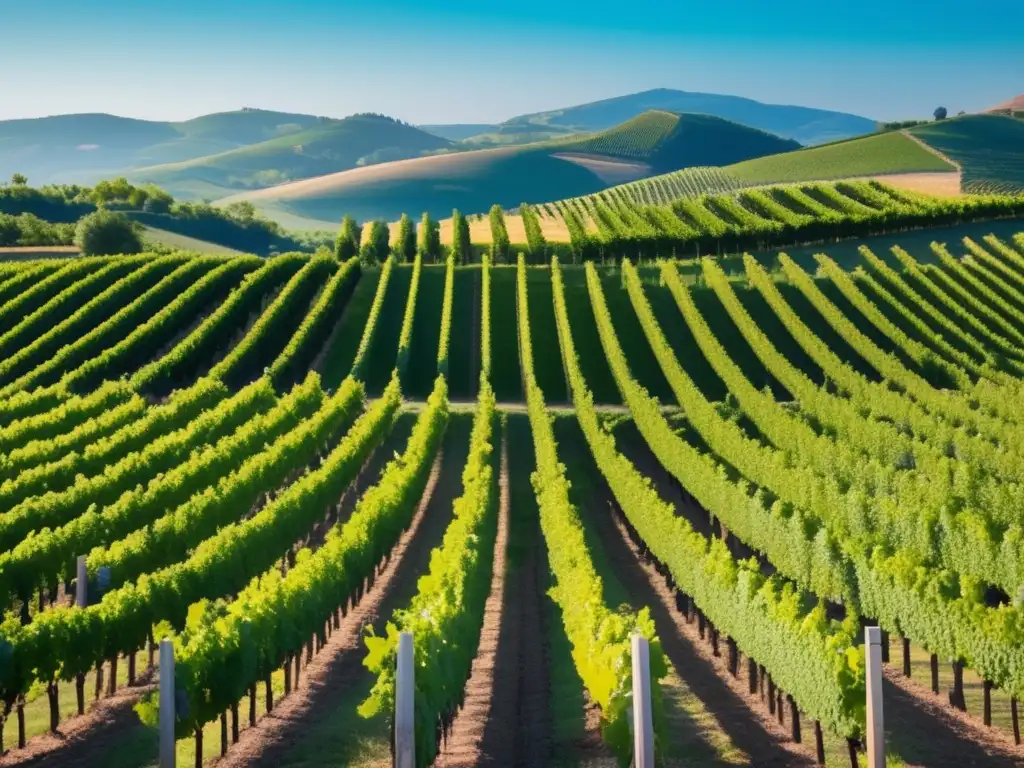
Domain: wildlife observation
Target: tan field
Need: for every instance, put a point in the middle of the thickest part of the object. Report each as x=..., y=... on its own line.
x=38, y=252
x=553, y=229
x=937, y=184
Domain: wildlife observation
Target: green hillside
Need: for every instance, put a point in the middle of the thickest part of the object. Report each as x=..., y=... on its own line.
x=328, y=148
x=989, y=149
x=879, y=153
x=652, y=143
x=667, y=140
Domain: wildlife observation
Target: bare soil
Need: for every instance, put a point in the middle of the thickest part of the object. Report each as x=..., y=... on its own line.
x=80, y=739
x=925, y=731
x=466, y=742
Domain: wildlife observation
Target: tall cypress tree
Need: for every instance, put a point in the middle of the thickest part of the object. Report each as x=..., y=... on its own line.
x=375, y=250
x=428, y=244
x=349, y=239
x=461, y=249
x=500, y=245
x=405, y=245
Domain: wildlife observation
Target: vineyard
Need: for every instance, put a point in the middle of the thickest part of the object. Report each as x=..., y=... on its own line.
x=282, y=464
x=614, y=223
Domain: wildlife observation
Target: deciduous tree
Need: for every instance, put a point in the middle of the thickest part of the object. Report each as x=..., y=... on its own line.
x=106, y=233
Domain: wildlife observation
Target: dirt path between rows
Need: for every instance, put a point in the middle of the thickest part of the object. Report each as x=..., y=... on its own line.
x=925, y=731
x=80, y=739
x=339, y=665
x=473, y=724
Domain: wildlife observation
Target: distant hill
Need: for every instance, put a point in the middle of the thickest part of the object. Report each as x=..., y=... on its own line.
x=988, y=148
x=86, y=147
x=803, y=124
x=668, y=141
x=329, y=147
x=472, y=181
x=459, y=131
x=1010, y=105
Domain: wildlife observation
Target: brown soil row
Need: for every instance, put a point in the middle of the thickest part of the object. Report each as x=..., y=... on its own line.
x=476, y=721
x=79, y=740
x=925, y=731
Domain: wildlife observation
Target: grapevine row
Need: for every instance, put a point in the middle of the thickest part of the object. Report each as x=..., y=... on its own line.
x=33, y=473
x=446, y=318
x=48, y=556
x=735, y=596
x=600, y=638
x=405, y=337
x=446, y=614
x=228, y=647
x=366, y=342
x=221, y=565
x=303, y=345
x=116, y=326
x=87, y=317
x=183, y=362
x=161, y=455
x=271, y=331
x=136, y=347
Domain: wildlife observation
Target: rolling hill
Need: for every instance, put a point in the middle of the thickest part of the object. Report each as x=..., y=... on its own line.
x=988, y=148
x=894, y=155
x=654, y=142
x=880, y=153
x=332, y=146
x=86, y=147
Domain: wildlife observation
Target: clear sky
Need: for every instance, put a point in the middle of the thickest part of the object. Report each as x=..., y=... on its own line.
x=481, y=61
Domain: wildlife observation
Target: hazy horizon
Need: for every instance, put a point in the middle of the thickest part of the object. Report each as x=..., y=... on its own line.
x=462, y=62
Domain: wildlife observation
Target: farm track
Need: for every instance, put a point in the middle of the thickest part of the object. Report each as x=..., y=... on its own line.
x=480, y=732
x=338, y=667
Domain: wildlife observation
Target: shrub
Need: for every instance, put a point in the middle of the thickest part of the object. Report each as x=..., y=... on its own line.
x=105, y=233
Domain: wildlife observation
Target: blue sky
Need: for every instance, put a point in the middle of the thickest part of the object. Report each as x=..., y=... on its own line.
x=462, y=61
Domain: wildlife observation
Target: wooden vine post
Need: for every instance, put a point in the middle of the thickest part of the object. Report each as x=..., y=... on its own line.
x=643, y=719
x=167, y=712
x=81, y=601
x=875, y=726
x=405, y=694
